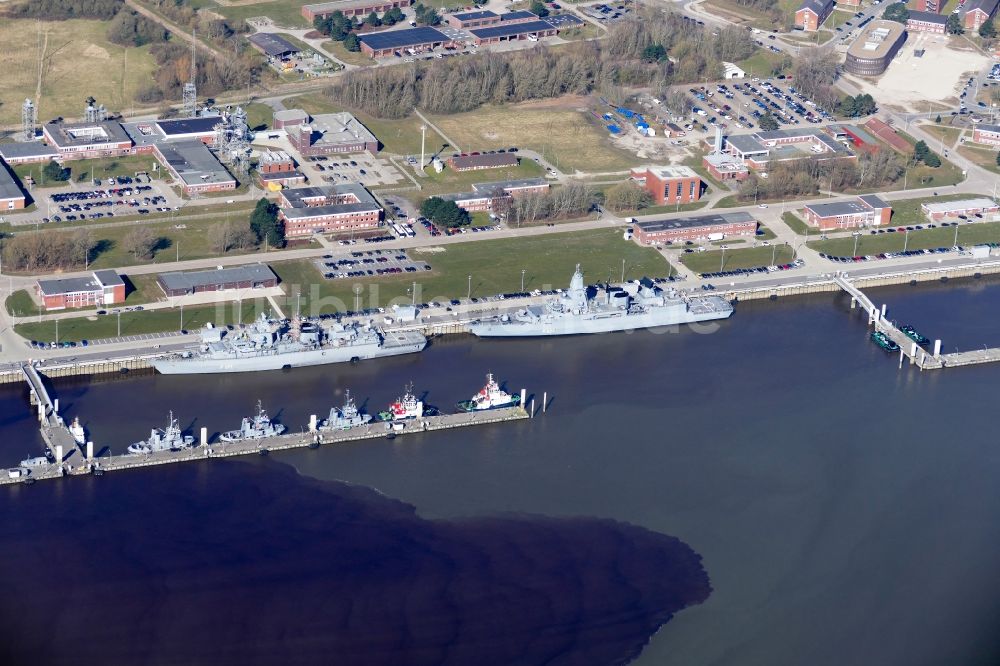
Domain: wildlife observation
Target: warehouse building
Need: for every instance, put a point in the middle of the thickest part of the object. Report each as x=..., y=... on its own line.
x=966, y=207
x=104, y=138
x=11, y=195
x=275, y=47
x=669, y=184
x=886, y=133
x=331, y=133
x=867, y=211
x=926, y=21
x=513, y=31
x=873, y=50
x=478, y=19
x=701, y=227
x=396, y=42
x=812, y=13
x=306, y=211
x=201, y=128
x=253, y=276
x=289, y=118
x=757, y=149
x=27, y=153
x=349, y=8
x=195, y=166
x=100, y=288
x=482, y=161
x=986, y=134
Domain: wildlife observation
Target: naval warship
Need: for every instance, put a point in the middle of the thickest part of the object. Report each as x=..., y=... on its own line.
x=258, y=427
x=634, y=305
x=167, y=439
x=267, y=345
x=346, y=417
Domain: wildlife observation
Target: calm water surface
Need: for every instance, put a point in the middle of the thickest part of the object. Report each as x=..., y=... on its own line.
x=846, y=511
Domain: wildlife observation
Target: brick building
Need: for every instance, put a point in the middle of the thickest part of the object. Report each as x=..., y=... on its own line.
x=195, y=166
x=867, y=211
x=669, y=184
x=931, y=6
x=397, y=42
x=287, y=118
x=330, y=208
x=477, y=19
x=100, y=288
x=105, y=138
x=926, y=21
x=494, y=196
x=966, y=207
x=694, y=228
x=11, y=195
x=253, y=276
x=811, y=14
x=978, y=12
x=331, y=133
x=276, y=169
x=360, y=8
x=986, y=134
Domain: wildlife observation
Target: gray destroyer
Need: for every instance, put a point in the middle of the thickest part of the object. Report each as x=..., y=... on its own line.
x=634, y=305
x=267, y=345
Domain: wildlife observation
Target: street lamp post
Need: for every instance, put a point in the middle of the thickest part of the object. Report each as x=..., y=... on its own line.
x=468, y=295
x=774, y=253
x=955, y=244
x=182, y=317
x=906, y=239
x=522, y=279
x=857, y=236
x=119, y=313
x=723, y=262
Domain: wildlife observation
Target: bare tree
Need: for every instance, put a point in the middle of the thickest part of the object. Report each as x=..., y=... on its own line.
x=140, y=242
x=82, y=244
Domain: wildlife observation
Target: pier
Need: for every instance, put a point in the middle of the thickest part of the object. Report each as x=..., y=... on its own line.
x=53, y=428
x=305, y=439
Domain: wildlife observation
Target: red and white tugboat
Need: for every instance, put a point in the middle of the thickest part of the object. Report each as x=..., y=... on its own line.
x=407, y=407
x=490, y=396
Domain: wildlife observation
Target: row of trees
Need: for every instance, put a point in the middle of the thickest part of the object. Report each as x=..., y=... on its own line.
x=626, y=196
x=62, y=10
x=860, y=105
x=214, y=75
x=454, y=85
x=567, y=201
x=921, y=153
x=815, y=73
x=445, y=213
x=880, y=167
x=425, y=15
x=265, y=225
x=48, y=250
x=129, y=28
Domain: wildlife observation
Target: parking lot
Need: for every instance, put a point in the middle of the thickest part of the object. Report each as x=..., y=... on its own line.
x=740, y=105
x=368, y=263
x=608, y=12
x=128, y=199
x=363, y=168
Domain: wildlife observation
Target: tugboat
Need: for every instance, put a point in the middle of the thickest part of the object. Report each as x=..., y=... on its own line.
x=407, y=407
x=167, y=439
x=79, y=434
x=912, y=334
x=883, y=341
x=346, y=417
x=490, y=396
x=258, y=427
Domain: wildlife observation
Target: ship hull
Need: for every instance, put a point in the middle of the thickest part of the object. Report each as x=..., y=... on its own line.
x=576, y=325
x=300, y=359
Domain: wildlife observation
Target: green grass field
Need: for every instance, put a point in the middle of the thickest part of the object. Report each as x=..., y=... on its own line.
x=137, y=323
x=20, y=304
x=449, y=181
x=495, y=267
x=284, y=13
x=337, y=50
x=984, y=157
x=796, y=224
x=968, y=234
x=259, y=116
x=716, y=260
x=398, y=137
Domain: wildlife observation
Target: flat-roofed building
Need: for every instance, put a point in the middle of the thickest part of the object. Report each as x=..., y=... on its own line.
x=331, y=133
x=886, y=133
x=27, y=153
x=482, y=161
x=12, y=197
x=201, y=128
x=409, y=40
x=494, y=196
x=758, y=149
x=509, y=31
x=724, y=166
x=476, y=19
x=104, y=138
x=194, y=165
x=966, y=207
x=306, y=211
x=251, y=276
x=275, y=47
x=926, y=21
x=289, y=118
x=866, y=211
x=99, y=288
x=986, y=134
x=653, y=232
x=276, y=169
x=812, y=13
x=351, y=8
x=669, y=184
x=875, y=47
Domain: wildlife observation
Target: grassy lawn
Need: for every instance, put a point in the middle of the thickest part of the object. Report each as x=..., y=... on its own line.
x=142, y=289
x=34, y=171
x=838, y=17
x=20, y=303
x=572, y=140
x=449, y=181
x=138, y=323
x=907, y=211
x=713, y=261
x=968, y=234
x=259, y=116
x=796, y=224
x=107, y=167
x=742, y=15
x=585, y=31
x=924, y=176
x=495, y=267
x=399, y=137
x=943, y=132
x=79, y=61
x=283, y=12
x=762, y=63
x=984, y=157
x=337, y=50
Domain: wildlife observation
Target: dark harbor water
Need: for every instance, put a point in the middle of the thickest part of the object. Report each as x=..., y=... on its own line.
x=844, y=511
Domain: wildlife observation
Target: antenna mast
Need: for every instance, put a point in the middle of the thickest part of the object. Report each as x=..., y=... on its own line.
x=189, y=95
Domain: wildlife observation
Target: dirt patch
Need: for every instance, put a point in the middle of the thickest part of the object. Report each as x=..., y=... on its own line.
x=568, y=102
x=95, y=51
x=314, y=34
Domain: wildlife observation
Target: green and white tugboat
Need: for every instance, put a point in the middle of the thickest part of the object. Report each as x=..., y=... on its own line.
x=883, y=341
x=912, y=334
